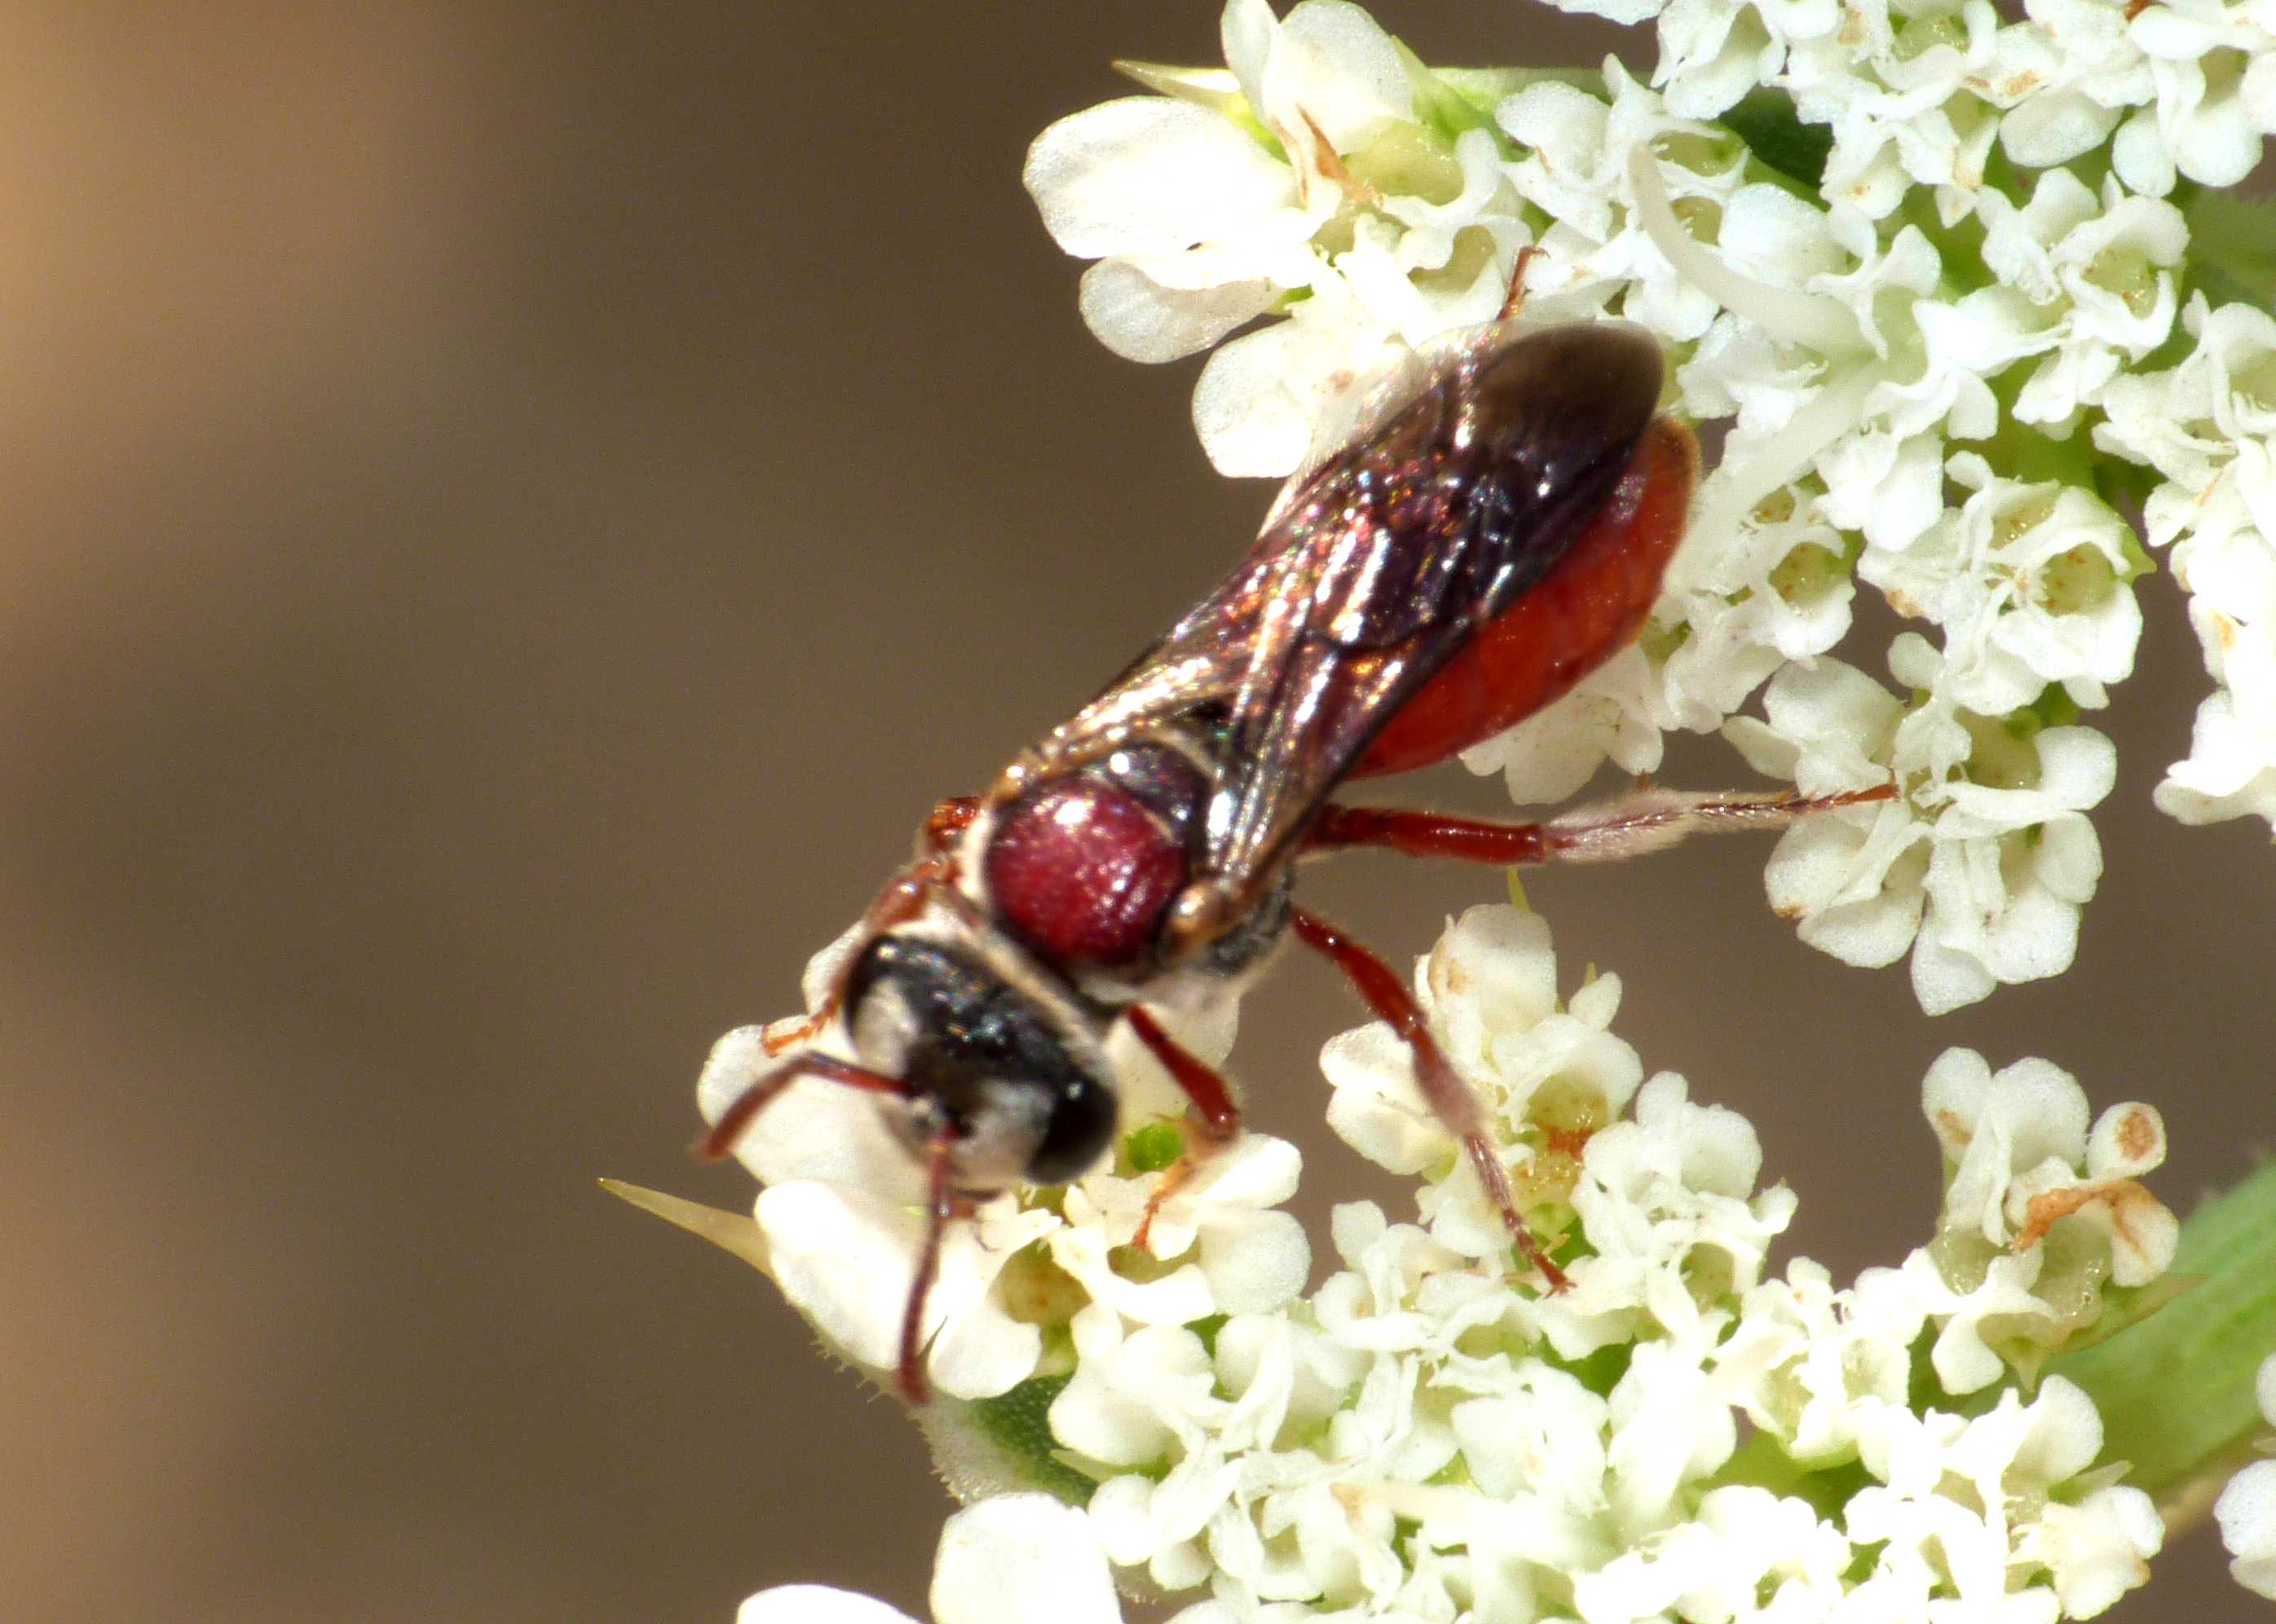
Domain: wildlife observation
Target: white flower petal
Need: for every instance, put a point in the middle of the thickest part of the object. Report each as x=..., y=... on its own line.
x=1141, y=320
x=982, y=1351
x=845, y=1258
x=1021, y=1559
x=2245, y=1511
x=1148, y=173
x=1376, y=1109
x=816, y=1604
x=1256, y=1261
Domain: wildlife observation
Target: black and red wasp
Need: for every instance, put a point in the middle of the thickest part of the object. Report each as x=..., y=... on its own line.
x=1496, y=529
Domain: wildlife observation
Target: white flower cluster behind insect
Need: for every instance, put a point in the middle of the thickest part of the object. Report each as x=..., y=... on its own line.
x=1947, y=273
x=1679, y=1433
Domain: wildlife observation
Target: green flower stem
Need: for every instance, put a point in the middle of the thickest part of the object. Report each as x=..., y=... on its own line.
x=2176, y=1391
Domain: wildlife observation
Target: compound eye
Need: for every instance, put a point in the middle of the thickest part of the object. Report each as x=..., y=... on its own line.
x=1084, y=872
x=1080, y=1127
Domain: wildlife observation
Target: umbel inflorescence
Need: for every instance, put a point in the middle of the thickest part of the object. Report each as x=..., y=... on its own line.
x=1963, y=294
x=1682, y=1431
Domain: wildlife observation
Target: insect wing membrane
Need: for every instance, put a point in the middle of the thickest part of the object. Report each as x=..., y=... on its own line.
x=1458, y=496
x=1386, y=563
x=1208, y=655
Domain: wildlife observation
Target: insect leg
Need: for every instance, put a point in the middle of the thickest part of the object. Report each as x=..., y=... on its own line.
x=940, y=1206
x=1449, y=1096
x=1514, y=301
x=1220, y=1116
x=902, y=899
x=1216, y=1122
x=768, y=1087
x=951, y=818
x=1427, y=834
x=1629, y=827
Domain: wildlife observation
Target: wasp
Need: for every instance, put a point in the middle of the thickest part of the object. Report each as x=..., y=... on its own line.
x=1495, y=527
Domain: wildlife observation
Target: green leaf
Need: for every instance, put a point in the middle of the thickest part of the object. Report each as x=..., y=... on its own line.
x=2176, y=1390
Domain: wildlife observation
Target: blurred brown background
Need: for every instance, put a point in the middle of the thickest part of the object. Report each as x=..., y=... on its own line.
x=512, y=519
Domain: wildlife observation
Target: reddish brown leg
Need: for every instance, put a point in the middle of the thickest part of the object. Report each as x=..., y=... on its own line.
x=1449, y=1096
x=1641, y=823
x=902, y=900
x=767, y=1089
x=951, y=818
x=1514, y=301
x=939, y=1208
x=1220, y=1116
x=1427, y=834
x=783, y=1036
x=1216, y=1121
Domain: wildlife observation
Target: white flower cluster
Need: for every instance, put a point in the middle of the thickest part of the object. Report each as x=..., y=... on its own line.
x=2208, y=425
x=1419, y=1436
x=1911, y=393
x=1930, y=272
x=1920, y=94
x=2247, y=1508
x=839, y=1221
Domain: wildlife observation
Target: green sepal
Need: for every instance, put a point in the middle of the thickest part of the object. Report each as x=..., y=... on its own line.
x=1765, y=119
x=1018, y=1425
x=2125, y=1307
x=2053, y=708
x=1599, y=1371
x=2023, y=453
x=1762, y=1463
x=1206, y=1328
x=2126, y=485
x=1441, y=108
x=1484, y=89
x=1214, y=88
x=2176, y=1390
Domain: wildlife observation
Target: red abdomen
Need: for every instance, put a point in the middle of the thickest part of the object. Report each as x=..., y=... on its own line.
x=1579, y=615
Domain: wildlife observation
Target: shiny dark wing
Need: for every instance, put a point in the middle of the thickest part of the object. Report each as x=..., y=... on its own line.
x=1376, y=570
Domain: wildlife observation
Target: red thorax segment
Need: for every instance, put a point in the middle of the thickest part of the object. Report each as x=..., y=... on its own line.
x=1575, y=617
x=1083, y=872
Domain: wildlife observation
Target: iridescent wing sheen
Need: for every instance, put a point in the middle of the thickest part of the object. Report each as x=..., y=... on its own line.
x=1376, y=571
x=1204, y=658
x=1201, y=661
